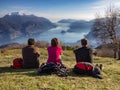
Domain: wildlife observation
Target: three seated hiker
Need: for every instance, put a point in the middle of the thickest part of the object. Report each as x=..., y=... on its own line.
x=84, y=60
x=30, y=55
x=84, y=53
x=54, y=63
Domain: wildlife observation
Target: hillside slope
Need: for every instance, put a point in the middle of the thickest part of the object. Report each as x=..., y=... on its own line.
x=15, y=25
x=27, y=79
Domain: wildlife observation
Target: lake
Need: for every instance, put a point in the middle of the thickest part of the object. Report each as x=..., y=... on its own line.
x=66, y=37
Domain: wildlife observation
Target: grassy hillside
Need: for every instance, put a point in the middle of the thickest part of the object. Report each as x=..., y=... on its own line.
x=26, y=79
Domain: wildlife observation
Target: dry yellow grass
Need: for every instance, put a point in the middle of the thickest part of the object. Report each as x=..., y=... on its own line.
x=26, y=79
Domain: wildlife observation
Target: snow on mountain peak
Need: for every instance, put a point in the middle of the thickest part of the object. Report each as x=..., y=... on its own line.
x=17, y=13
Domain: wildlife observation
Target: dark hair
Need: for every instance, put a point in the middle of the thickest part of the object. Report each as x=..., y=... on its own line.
x=31, y=41
x=84, y=41
x=54, y=42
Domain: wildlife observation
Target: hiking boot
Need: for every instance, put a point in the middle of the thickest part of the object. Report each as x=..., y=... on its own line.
x=101, y=66
x=98, y=76
x=96, y=65
x=42, y=65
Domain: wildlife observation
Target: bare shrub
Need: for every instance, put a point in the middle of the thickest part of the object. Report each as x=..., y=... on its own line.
x=42, y=44
x=105, y=52
x=3, y=50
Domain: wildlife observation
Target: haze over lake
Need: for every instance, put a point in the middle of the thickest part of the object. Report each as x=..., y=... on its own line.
x=66, y=37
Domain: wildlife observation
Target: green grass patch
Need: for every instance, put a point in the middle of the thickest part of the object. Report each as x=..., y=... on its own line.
x=27, y=79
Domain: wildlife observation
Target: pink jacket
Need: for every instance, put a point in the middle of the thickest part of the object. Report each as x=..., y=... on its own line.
x=54, y=54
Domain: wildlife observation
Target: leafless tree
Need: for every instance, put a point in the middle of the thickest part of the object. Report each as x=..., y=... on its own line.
x=107, y=29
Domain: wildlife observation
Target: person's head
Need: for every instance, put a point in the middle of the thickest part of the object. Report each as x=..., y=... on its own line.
x=54, y=42
x=31, y=41
x=84, y=42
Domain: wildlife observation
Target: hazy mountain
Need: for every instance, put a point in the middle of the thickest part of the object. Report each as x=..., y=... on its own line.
x=15, y=25
x=80, y=26
x=11, y=46
x=67, y=21
x=18, y=28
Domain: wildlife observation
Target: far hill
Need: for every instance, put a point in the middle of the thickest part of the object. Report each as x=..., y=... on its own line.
x=80, y=26
x=67, y=21
x=15, y=25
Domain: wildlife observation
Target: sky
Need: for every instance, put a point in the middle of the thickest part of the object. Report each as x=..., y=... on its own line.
x=56, y=10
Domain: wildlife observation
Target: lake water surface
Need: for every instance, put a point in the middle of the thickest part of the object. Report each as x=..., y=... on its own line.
x=68, y=37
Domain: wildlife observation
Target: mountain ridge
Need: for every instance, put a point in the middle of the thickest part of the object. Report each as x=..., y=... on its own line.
x=15, y=25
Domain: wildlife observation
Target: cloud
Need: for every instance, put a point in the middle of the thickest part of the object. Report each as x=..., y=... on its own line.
x=88, y=12
x=85, y=11
x=102, y=5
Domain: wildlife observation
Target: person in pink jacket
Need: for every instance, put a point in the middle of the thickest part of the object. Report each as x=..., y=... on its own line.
x=54, y=52
x=54, y=63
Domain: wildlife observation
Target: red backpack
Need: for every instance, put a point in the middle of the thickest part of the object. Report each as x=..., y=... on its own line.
x=17, y=63
x=83, y=68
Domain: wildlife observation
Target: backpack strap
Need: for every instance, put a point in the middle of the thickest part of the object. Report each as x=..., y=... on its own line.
x=89, y=66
